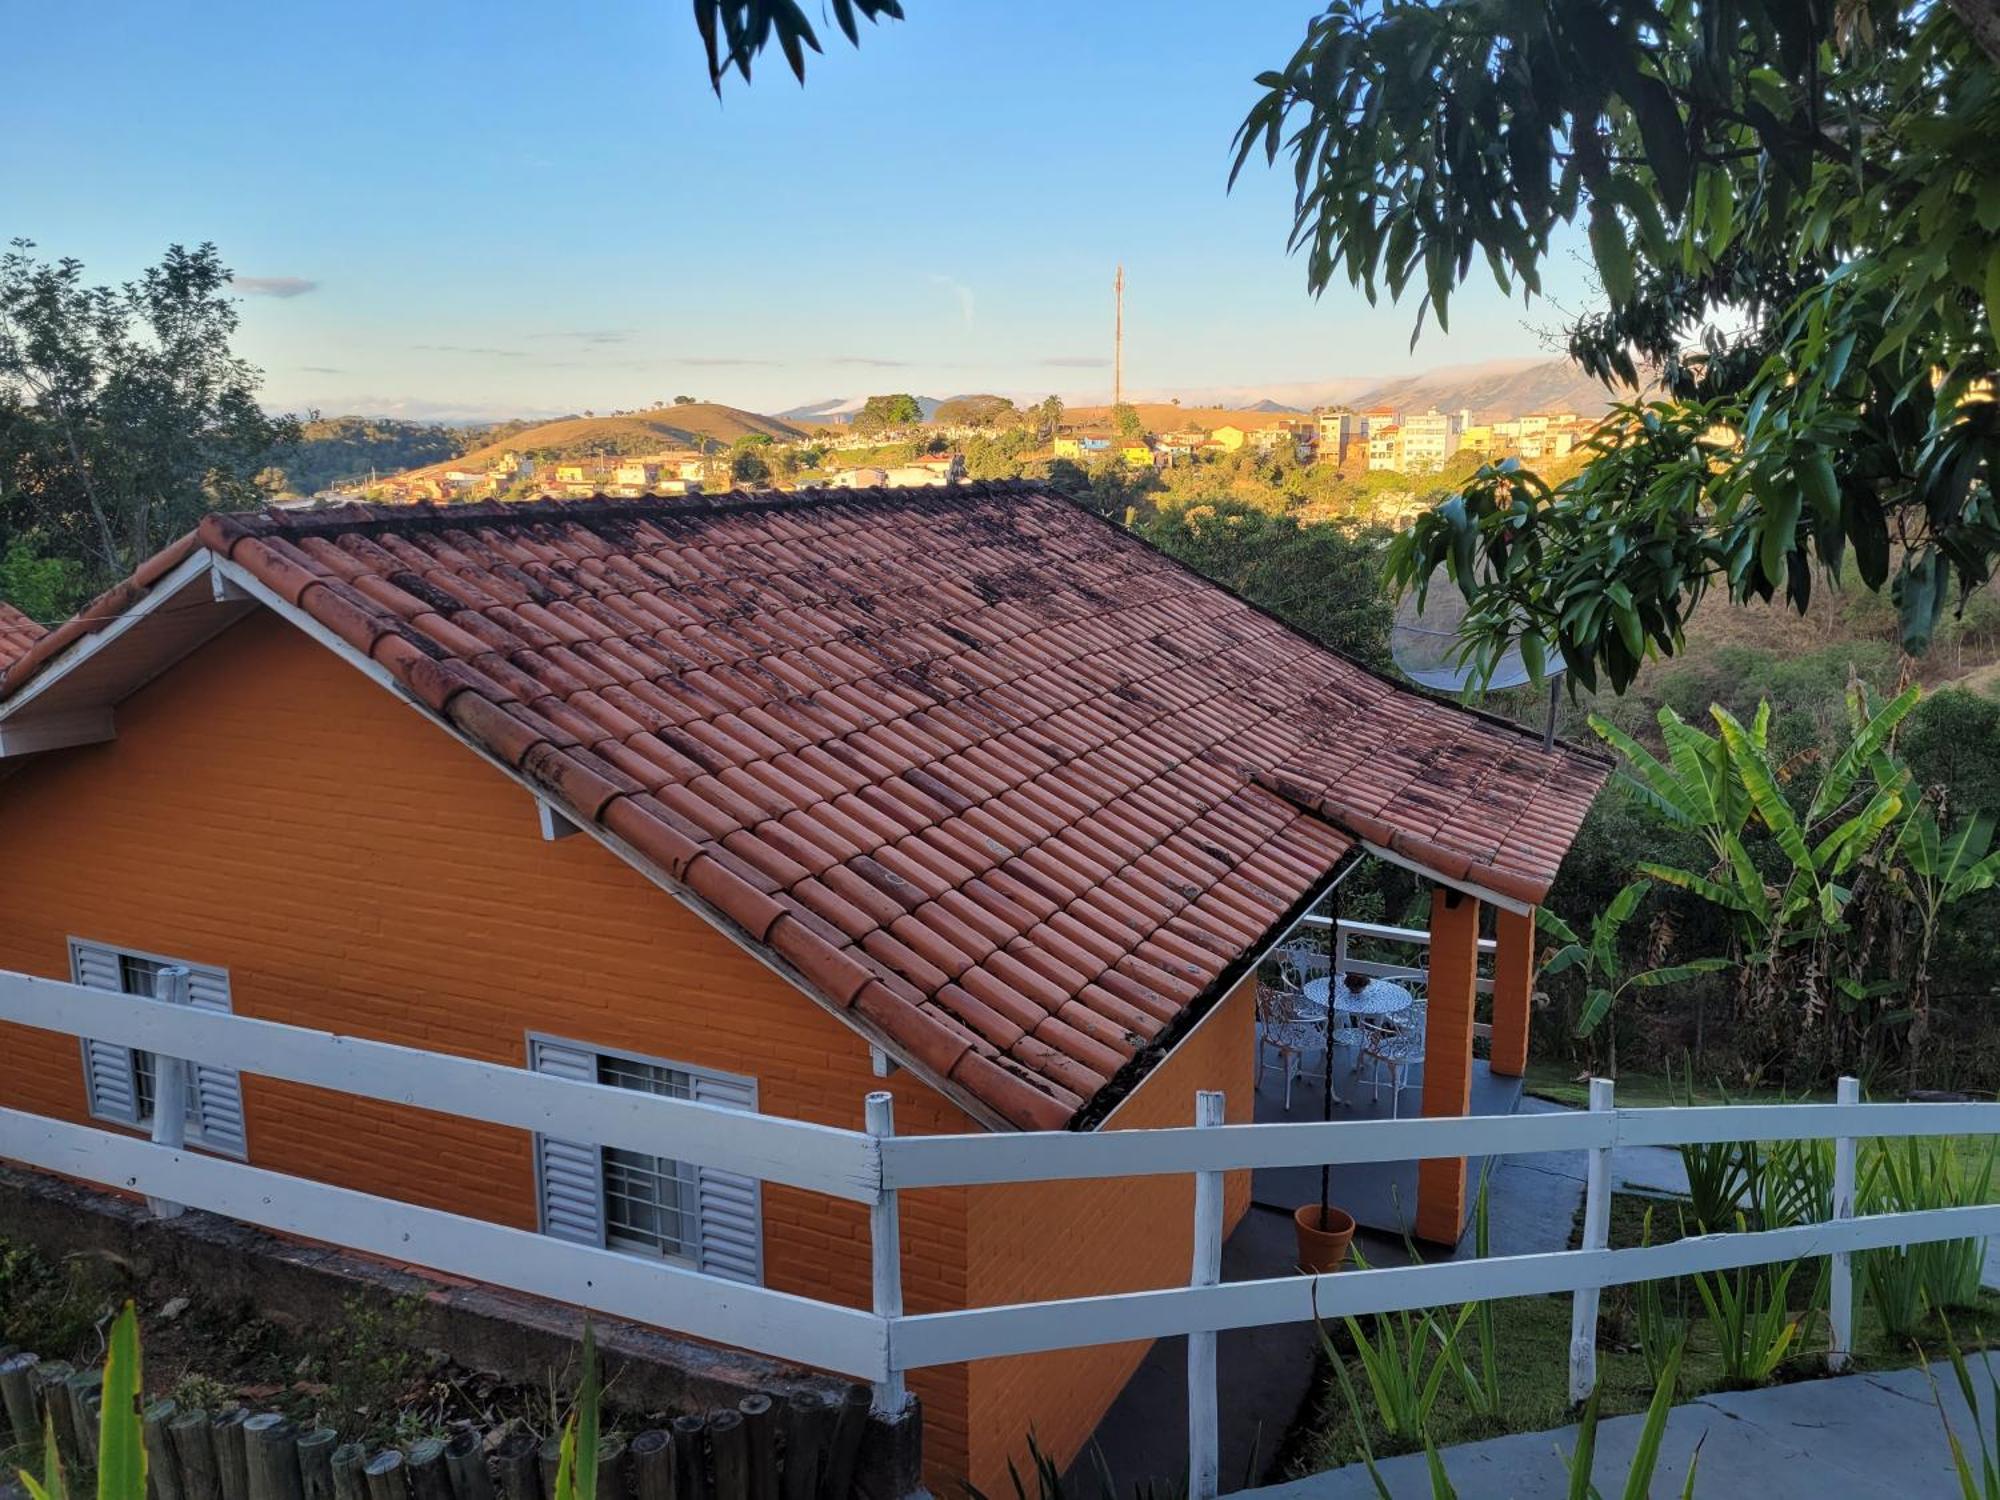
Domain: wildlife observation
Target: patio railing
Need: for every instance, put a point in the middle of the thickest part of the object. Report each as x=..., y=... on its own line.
x=879, y=1344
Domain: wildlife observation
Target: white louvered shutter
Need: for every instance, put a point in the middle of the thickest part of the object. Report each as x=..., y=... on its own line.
x=107, y=1069
x=216, y=1107
x=569, y=1174
x=728, y=1206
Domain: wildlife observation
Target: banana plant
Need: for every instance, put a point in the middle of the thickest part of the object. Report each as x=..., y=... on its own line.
x=1936, y=870
x=1597, y=957
x=1786, y=870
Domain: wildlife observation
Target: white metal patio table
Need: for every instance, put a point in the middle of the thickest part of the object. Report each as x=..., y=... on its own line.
x=1376, y=999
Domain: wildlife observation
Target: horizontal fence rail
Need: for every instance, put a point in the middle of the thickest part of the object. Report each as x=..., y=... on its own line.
x=838, y=1162
x=1035, y=1327
x=873, y=1166
x=647, y=1291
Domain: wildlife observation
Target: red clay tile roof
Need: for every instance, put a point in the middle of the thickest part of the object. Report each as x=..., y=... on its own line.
x=17, y=634
x=1016, y=791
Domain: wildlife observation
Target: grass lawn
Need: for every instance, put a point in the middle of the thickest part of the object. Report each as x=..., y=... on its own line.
x=1532, y=1353
x=1654, y=1091
x=1531, y=1334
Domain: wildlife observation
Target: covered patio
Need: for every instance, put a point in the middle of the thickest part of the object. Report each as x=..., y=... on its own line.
x=1470, y=995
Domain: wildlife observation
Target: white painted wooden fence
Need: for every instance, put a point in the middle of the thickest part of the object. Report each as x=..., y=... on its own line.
x=873, y=1166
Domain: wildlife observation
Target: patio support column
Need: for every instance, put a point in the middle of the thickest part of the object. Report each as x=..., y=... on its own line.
x=1454, y=973
x=1513, y=984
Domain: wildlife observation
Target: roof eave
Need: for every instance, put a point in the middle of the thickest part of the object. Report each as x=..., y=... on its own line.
x=72, y=695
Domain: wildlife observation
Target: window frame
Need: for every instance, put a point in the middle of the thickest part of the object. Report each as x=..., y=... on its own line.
x=194, y=1136
x=690, y=1257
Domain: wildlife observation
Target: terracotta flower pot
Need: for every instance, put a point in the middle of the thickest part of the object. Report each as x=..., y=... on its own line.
x=1323, y=1242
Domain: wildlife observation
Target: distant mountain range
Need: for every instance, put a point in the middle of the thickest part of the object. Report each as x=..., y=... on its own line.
x=1495, y=391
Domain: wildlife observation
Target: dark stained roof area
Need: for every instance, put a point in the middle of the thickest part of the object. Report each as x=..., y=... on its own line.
x=1013, y=789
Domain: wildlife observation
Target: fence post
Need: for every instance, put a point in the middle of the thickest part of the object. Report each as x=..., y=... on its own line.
x=885, y=1241
x=1204, y=1443
x=170, y=1084
x=1596, y=1236
x=1840, y=1294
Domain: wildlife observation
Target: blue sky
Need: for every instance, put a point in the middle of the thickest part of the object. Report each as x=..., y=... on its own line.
x=507, y=207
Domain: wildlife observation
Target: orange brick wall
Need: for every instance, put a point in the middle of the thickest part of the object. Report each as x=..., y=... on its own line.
x=1034, y=1241
x=268, y=810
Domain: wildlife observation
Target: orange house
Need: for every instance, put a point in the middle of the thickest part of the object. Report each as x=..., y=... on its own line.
x=756, y=800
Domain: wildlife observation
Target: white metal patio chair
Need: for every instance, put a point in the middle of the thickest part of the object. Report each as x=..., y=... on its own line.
x=1288, y=1025
x=1398, y=1051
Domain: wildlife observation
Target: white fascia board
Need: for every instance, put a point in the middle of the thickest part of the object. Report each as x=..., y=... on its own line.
x=191, y=570
x=1471, y=888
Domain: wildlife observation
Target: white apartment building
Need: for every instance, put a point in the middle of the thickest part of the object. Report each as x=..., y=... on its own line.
x=1430, y=439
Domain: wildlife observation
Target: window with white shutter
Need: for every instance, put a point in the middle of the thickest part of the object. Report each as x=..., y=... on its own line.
x=644, y=1204
x=119, y=1080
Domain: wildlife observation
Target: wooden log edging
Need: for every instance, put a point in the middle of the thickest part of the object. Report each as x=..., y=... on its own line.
x=807, y=1446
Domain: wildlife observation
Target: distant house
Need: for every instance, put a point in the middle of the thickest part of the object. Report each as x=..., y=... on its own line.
x=937, y=468
x=865, y=477
x=1083, y=446
x=574, y=474
x=1228, y=437
x=1385, y=448
x=639, y=476
x=1300, y=432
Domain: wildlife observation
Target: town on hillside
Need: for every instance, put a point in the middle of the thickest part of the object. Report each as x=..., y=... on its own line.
x=980, y=437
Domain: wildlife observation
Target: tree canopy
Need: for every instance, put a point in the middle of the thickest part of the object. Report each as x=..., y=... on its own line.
x=123, y=413
x=1793, y=211
x=886, y=413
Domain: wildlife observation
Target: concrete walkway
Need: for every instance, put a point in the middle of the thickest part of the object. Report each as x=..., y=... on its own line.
x=1858, y=1437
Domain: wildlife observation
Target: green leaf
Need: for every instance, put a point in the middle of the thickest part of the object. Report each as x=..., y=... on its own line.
x=1646, y=1455
x=1568, y=958
x=1596, y=1007
x=1612, y=253
x=121, y=1438
x=1780, y=531
x=1554, y=925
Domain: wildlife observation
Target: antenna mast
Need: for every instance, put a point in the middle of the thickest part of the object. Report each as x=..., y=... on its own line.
x=1118, y=339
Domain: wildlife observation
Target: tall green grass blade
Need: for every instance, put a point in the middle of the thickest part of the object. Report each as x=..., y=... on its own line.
x=121, y=1438
x=1646, y=1457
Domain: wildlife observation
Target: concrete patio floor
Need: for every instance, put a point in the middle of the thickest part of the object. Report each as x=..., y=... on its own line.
x=1382, y=1196
x=1856, y=1437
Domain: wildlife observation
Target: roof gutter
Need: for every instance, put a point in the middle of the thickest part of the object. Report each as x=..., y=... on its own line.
x=1099, y=1110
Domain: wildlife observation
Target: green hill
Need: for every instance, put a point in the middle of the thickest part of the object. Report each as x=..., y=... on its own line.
x=664, y=427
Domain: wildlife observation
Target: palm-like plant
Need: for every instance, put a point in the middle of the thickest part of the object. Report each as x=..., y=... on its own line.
x=1598, y=958
x=1861, y=853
